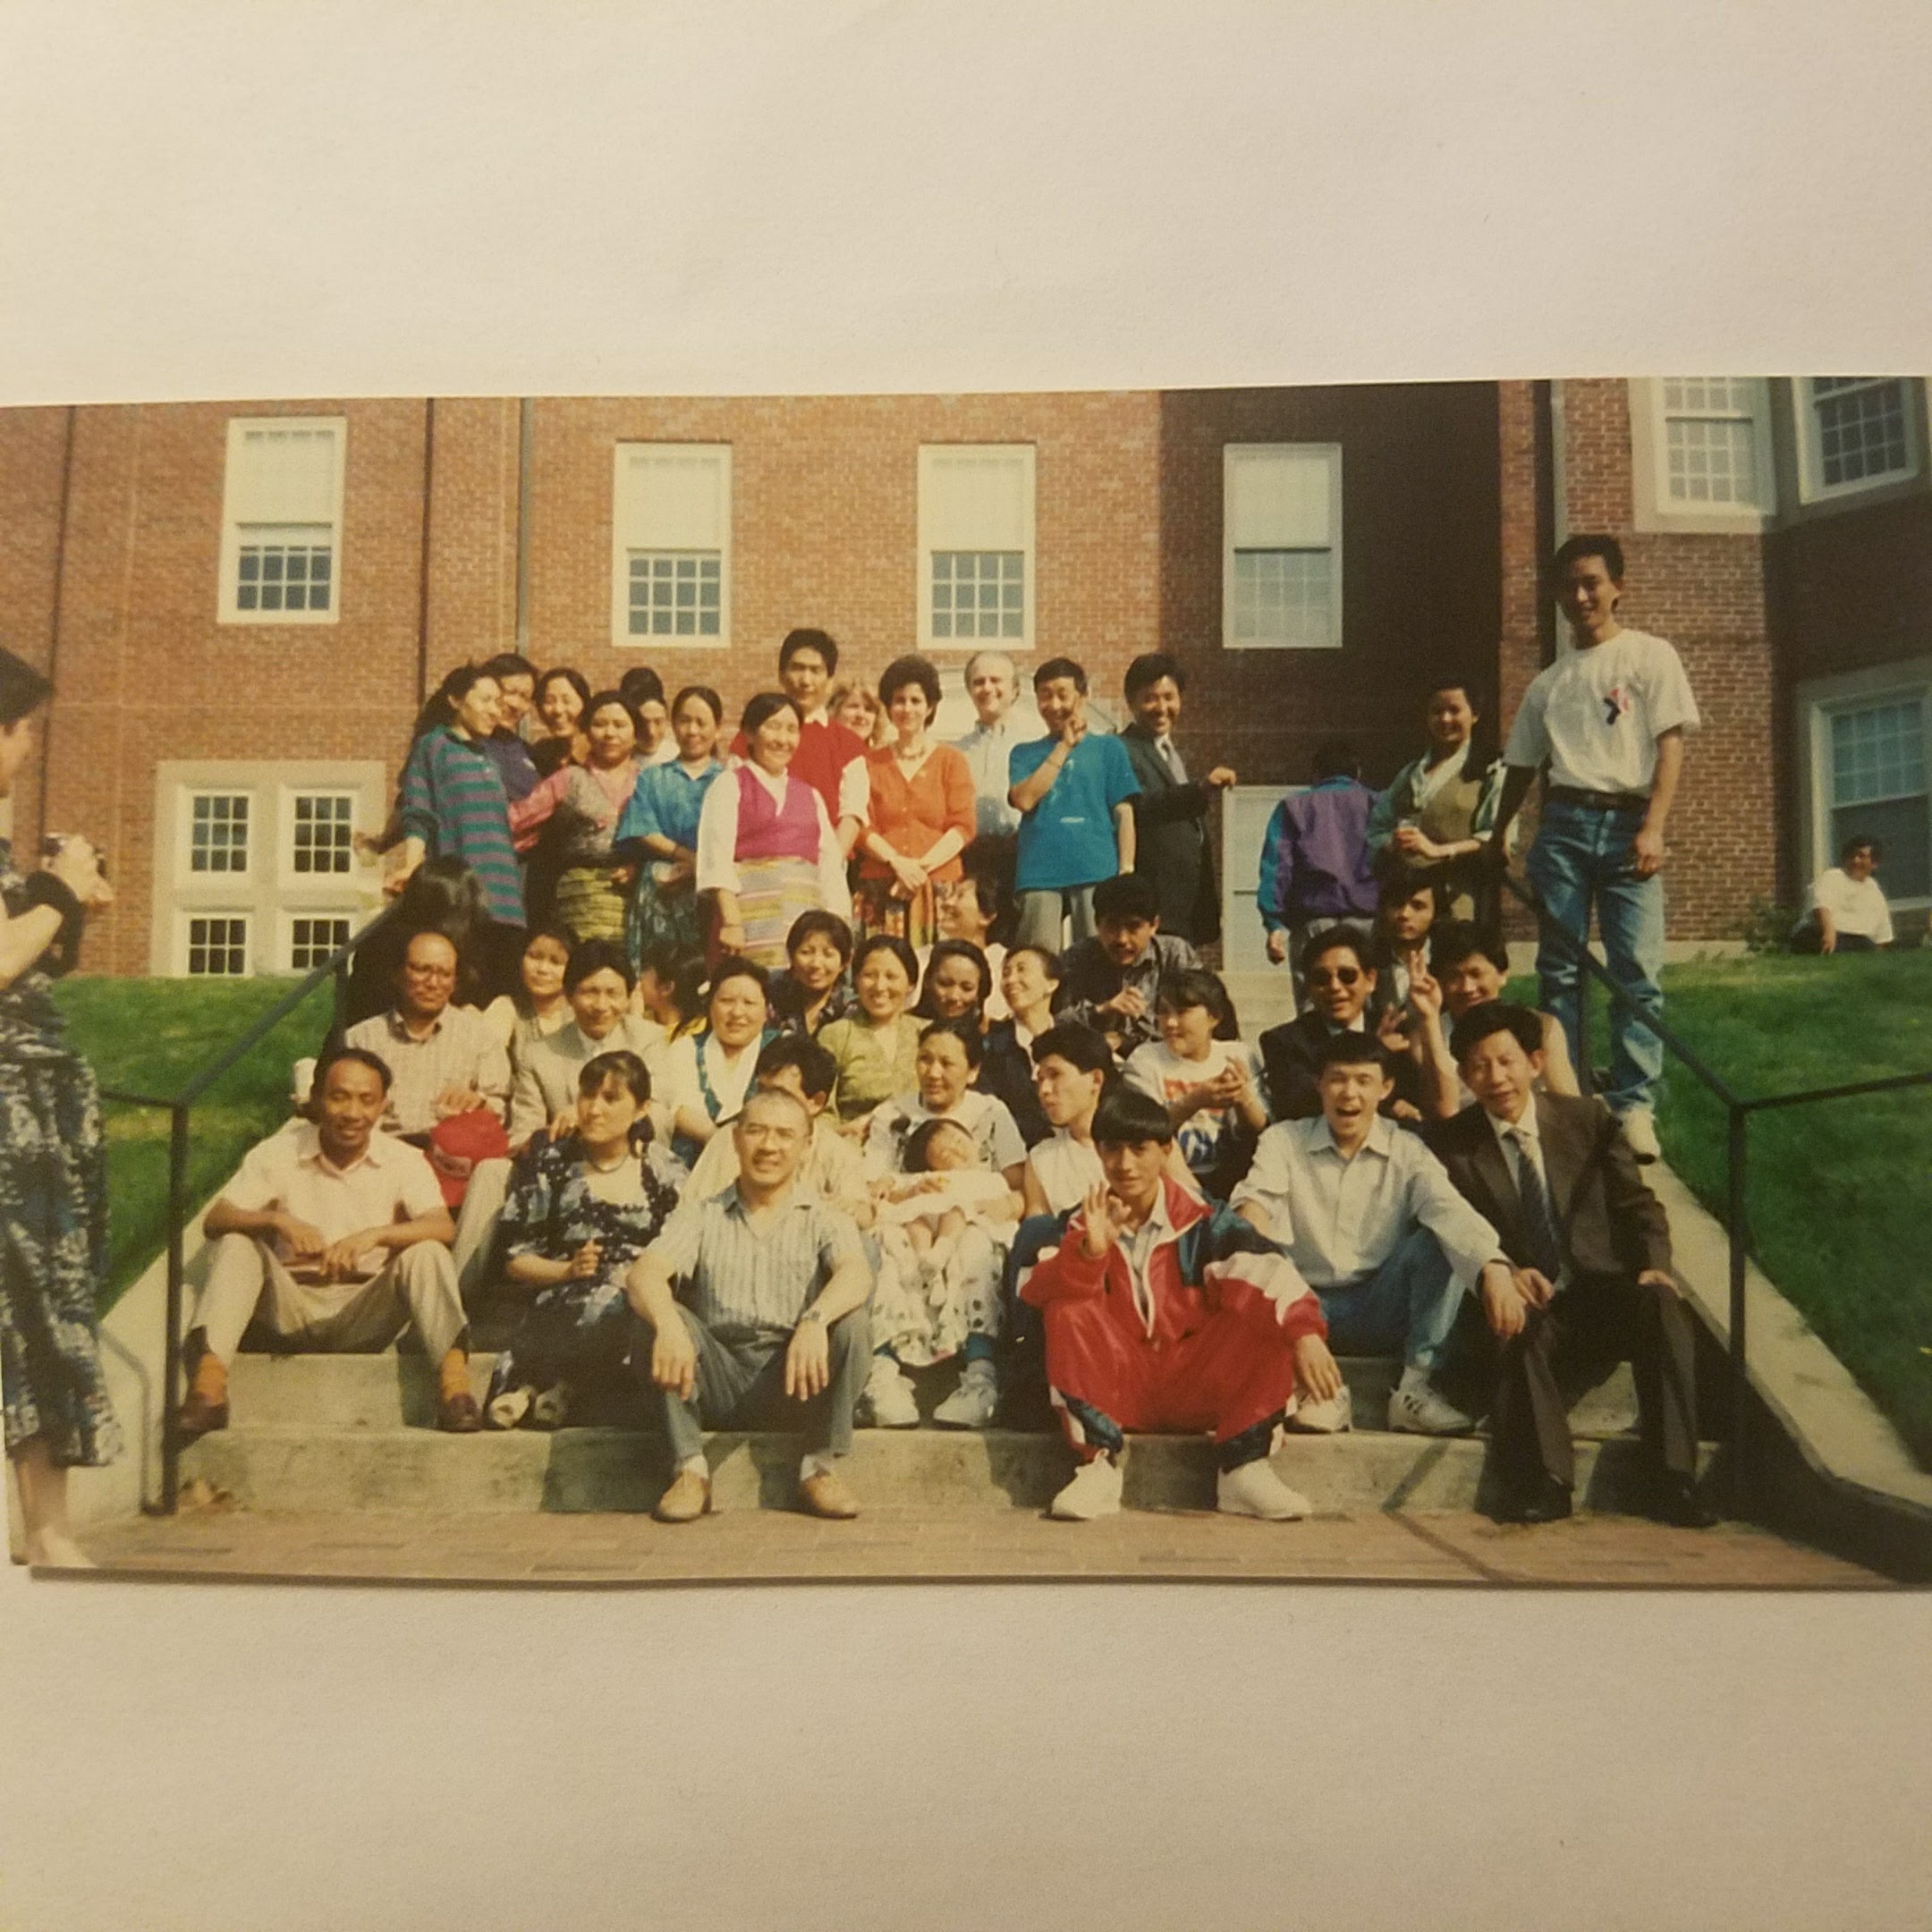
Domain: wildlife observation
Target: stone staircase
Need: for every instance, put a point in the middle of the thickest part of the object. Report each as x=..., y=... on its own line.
x=357, y=1432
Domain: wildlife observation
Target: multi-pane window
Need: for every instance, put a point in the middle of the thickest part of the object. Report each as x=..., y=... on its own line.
x=218, y=832
x=218, y=946
x=312, y=942
x=677, y=594
x=975, y=543
x=979, y=594
x=1711, y=441
x=281, y=520
x=671, y=512
x=1855, y=432
x=322, y=827
x=1878, y=788
x=1281, y=547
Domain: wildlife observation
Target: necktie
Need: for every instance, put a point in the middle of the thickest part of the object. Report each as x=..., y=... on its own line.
x=1544, y=1243
x=1170, y=757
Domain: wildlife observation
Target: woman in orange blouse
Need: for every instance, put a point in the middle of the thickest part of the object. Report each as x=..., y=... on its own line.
x=921, y=813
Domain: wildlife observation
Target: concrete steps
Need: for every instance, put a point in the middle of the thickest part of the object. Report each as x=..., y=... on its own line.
x=356, y=1432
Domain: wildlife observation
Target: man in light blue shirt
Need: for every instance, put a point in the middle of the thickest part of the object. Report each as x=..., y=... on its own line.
x=991, y=682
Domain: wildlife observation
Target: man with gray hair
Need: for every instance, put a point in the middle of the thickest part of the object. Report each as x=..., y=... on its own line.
x=752, y=1306
x=992, y=682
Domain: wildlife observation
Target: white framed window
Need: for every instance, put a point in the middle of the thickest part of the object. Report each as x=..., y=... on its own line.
x=215, y=945
x=1854, y=432
x=218, y=841
x=1281, y=547
x=320, y=831
x=1711, y=453
x=976, y=577
x=671, y=516
x=282, y=497
x=313, y=939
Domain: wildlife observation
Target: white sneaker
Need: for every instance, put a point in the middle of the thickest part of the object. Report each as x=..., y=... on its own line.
x=550, y=1409
x=1254, y=1489
x=888, y=1396
x=1328, y=1417
x=1417, y=1410
x=1639, y=1129
x=1094, y=1492
x=971, y=1404
x=507, y=1410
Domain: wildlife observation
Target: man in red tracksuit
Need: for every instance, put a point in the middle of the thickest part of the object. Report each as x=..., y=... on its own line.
x=1166, y=1312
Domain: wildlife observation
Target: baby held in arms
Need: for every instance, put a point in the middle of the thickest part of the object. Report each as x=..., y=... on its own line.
x=945, y=1185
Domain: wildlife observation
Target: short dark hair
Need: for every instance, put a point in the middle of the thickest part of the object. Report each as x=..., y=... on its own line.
x=641, y=683
x=912, y=669
x=574, y=678
x=620, y=1065
x=1126, y=1117
x=1859, y=843
x=1496, y=1016
x=736, y=966
x=1400, y=882
x=1589, y=544
x=706, y=695
x=1336, y=758
x=767, y=704
x=1195, y=985
x=918, y=1142
x=1351, y=1049
x=23, y=689
x=1078, y=1046
x=1149, y=668
x=589, y=956
x=1332, y=938
x=1059, y=667
x=683, y=972
x=1454, y=941
x=362, y=1055
x=817, y=1070
x=1127, y=895
x=510, y=664
x=965, y=1029
x=821, y=642
x=599, y=700
x=949, y=949
x=1046, y=955
x=887, y=943
x=977, y=871
x=826, y=925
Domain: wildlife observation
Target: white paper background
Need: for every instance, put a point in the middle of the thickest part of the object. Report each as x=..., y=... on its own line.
x=264, y=201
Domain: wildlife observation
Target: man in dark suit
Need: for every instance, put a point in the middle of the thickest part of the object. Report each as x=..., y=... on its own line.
x=1341, y=999
x=1171, y=811
x=1558, y=1181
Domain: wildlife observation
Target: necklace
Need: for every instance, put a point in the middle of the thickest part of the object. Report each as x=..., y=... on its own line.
x=597, y=1166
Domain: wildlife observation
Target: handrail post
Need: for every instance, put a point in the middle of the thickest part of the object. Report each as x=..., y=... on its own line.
x=171, y=1391
x=1737, y=1178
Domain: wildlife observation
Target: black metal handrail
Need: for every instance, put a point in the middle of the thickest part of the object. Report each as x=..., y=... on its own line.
x=1738, y=1110
x=178, y=1106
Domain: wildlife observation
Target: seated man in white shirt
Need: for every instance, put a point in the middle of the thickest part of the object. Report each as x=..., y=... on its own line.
x=1845, y=908
x=332, y=1236
x=1371, y=1218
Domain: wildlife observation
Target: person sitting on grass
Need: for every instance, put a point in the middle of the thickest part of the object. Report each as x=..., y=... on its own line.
x=1590, y=1278
x=1845, y=908
x=581, y=1208
x=1372, y=1223
x=1340, y=986
x=1207, y=1077
x=876, y=1047
x=1109, y=982
x=812, y=991
x=751, y=1307
x=1471, y=969
x=1164, y=1312
x=332, y=1236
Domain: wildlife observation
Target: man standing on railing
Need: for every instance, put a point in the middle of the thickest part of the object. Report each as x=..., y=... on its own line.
x=1607, y=719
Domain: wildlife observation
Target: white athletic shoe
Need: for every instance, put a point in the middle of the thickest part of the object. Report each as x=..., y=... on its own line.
x=1094, y=1492
x=1639, y=1129
x=507, y=1410
x=1417, y=1410
x=550, y=1409
x=971, y=1404
x=1328, y=1417
x=888, y=1396
x=1254, y=1489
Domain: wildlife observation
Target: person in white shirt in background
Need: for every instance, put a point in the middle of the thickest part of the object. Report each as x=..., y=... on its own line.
x=1608, y=720
x=992, y=684
x=1207, y=1077
x=1376, y=1227
x=1845, y=908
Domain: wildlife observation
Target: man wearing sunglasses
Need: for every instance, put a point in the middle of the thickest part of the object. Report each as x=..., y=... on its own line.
x=1341, y=993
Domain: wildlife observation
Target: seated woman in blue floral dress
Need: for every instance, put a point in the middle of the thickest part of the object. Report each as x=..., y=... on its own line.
x=579, y=1212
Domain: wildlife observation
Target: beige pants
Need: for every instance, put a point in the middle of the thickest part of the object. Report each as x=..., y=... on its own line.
x=417, y=1290
x=476, y=1225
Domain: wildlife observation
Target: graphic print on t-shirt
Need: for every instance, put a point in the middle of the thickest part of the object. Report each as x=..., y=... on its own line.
x=1616, y=704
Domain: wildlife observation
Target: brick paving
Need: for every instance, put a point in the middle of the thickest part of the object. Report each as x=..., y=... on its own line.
x=958, y=1545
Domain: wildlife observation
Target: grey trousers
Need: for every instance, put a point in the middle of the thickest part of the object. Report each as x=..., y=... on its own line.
x=1038, y=917
x=741, y=1386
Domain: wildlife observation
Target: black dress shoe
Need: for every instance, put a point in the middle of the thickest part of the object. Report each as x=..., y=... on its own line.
x=1547, y=1502
x=1674, y=1499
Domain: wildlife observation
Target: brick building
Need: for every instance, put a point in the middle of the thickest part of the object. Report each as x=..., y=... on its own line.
x=243, y=604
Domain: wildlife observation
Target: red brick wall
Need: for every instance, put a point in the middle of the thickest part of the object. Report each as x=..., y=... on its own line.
x=1707, y=594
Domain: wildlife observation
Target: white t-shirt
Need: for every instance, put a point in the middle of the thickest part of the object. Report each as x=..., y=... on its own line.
x=1597, y=713
x=1157, y=1071
x=1065, y=1169
x=1856, y=905
x=983, y=1115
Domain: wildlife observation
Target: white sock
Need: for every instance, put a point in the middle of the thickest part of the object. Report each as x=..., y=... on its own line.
x=696, y=1464
x=819, y=1462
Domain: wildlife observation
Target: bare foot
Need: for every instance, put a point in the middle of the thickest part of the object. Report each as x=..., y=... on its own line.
x=55, y=1551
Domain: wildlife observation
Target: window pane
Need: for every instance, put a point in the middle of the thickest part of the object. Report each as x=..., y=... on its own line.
x=1904, y=829
x=1284, y=598
x=324, y=833
x=218, y=836
x=283, y=575
x=1878, y=752
x=217, y=948
x=313, y=941
x=1860, y=427
x=978, y=593
x=668, y=589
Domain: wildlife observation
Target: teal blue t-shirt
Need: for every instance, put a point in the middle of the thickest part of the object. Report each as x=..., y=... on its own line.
x=1067, y=839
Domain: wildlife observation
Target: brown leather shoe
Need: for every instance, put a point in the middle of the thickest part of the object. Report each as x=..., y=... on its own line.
x=459, y=1415
x=686, y=1500
x=199, y=1417
x=825, y=1494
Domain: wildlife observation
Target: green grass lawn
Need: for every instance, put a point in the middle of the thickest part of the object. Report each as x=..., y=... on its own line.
x=149, y=1036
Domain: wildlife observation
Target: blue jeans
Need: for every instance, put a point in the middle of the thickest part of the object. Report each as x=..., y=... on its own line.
x=1581, y=859
x=1408, y=1305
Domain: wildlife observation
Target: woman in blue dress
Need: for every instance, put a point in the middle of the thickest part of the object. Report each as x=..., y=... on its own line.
x=659, y=827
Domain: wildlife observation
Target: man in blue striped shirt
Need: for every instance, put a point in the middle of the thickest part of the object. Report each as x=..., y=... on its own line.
x=754, y=1304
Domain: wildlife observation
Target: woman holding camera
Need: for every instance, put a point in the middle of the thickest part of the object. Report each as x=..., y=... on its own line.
x=53, y=1170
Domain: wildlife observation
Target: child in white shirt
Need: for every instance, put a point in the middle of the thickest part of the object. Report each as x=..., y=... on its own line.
x=1207, y=1078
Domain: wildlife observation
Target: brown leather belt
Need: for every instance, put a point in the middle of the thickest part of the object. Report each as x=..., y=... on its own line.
x=1601, y=800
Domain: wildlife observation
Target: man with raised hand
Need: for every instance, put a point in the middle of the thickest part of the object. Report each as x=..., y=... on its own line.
x=752, y=1304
